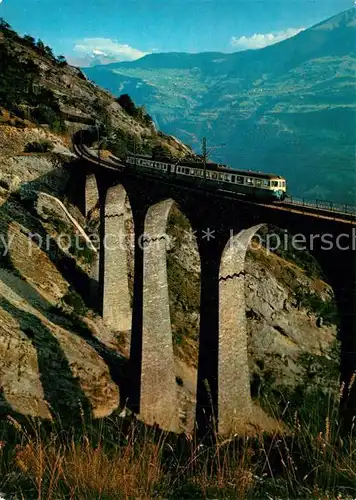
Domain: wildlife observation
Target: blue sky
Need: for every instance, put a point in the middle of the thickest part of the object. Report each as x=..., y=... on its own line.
x=113, y=30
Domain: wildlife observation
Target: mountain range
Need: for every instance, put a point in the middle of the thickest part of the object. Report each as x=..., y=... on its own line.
x=288, y=108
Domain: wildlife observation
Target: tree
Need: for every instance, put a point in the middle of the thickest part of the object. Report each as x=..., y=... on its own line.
x=29, y=39
x=49, y=52
x=148, y=120
x=4, y=25
x=40, y=46
x=61, y=60
x=127, y=104
x=16, y=79
x=161, y=151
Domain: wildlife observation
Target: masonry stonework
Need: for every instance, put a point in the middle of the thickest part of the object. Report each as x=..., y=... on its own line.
x=234, y=397
x=158, y=403
x=116, y=297
x=91, y=193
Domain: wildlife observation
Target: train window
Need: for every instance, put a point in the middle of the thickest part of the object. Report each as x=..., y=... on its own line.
x=233, y=178
x=258, y=182
x=249, y=180
x=192, y=171
x=228, y=177
x=274, y=183
x=266, y=183
x=239, y=179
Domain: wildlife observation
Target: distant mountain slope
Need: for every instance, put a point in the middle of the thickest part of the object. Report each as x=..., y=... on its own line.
x=36, y=88
x=288, y=108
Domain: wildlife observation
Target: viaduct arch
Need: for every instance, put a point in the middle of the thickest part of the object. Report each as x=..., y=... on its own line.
x=223, y=390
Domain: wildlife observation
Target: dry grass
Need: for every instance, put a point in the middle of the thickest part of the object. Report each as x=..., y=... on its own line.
x=123, y=460
x=81, y=469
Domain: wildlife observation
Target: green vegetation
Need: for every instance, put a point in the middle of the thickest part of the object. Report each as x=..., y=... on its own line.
x=325, y=309
x=280, y=242
x=75, y=301
x=121, y=142
x=38, y=147
x=137, y=112
x=80, y=249
x=20, y=89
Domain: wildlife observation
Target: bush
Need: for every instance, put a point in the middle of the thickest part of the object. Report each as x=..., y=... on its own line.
x=20, y=86
x=121, y=143
x=61, y=61
x=29, y=40
x=138, y=112
x=49, y=115
x=161, y=151
x=315, y=304
x=127, y=104
x=74, y=300
x=38, y=147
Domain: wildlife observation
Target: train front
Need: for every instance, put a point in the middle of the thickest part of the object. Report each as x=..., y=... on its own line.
x=278, y=187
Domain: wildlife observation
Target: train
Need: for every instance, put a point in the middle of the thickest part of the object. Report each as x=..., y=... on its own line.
x=258, y=186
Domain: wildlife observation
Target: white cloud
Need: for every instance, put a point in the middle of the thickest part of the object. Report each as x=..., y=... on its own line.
x=91, y=51
x=261, y=40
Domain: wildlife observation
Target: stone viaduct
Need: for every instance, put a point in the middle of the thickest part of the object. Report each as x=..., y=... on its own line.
x=223, y=388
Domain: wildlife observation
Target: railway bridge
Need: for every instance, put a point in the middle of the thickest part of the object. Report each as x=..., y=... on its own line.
x=223, y=388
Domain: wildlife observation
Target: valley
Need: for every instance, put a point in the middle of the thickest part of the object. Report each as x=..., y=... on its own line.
x=287, y=109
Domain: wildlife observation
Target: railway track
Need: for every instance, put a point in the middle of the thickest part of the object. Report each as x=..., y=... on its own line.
x=319, y=209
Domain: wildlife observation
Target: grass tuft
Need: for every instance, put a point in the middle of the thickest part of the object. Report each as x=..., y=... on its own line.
x=122, y=459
